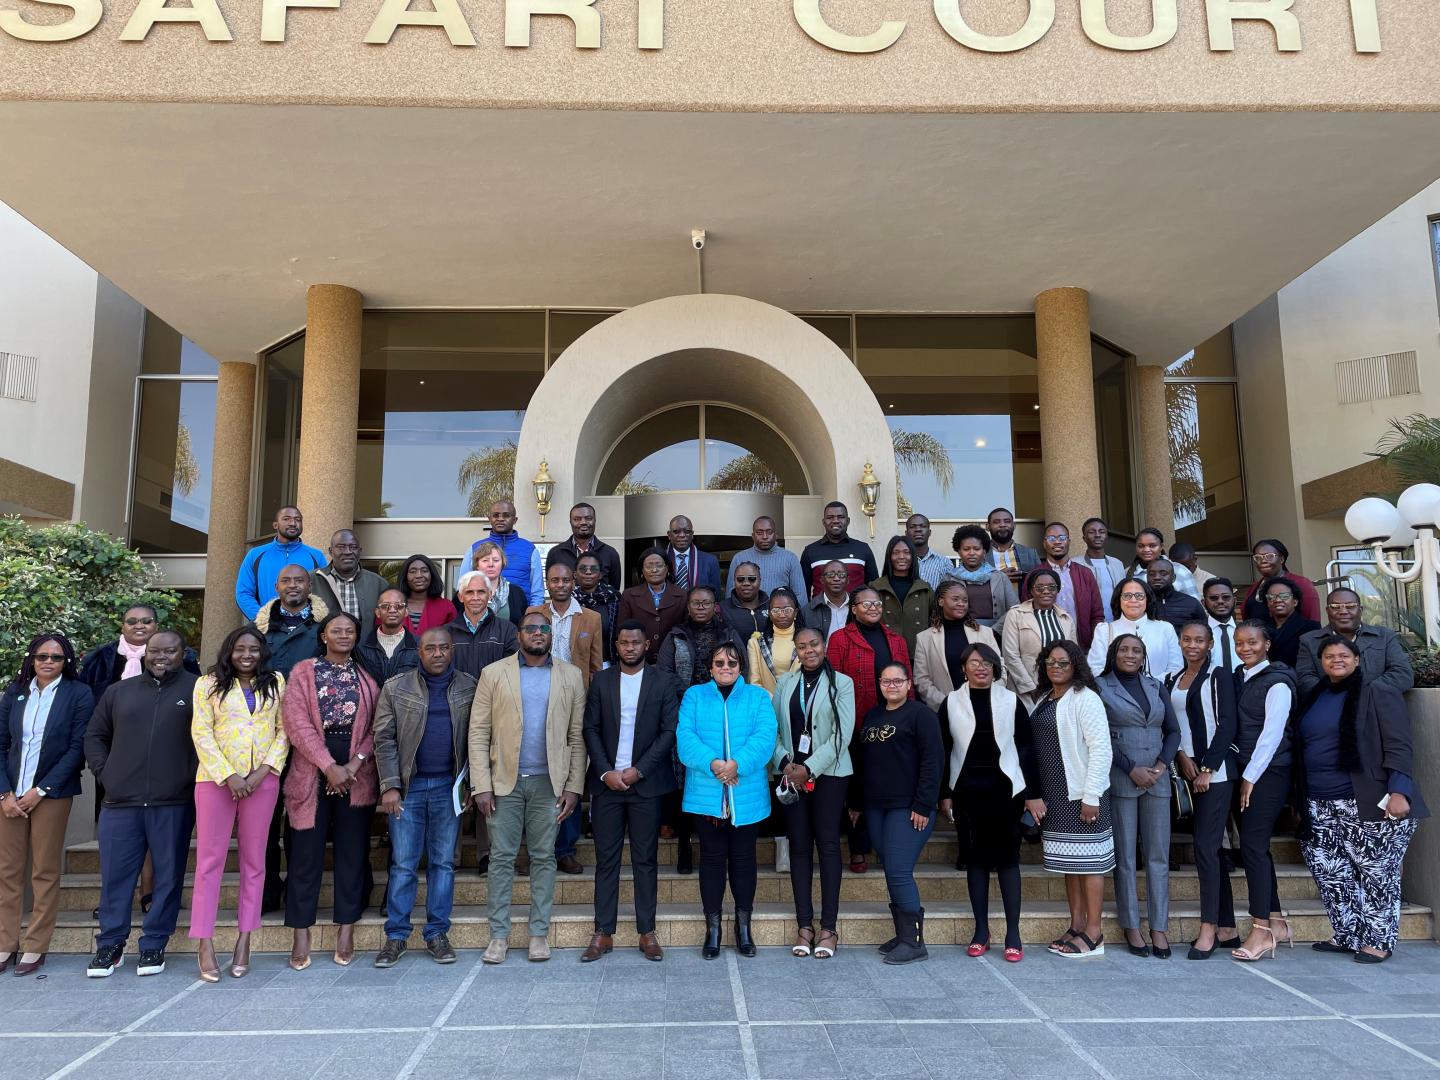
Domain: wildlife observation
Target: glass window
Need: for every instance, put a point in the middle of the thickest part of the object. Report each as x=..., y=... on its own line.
x=1435, y=248
x=174, y=448
x=1212, y=359
x=1112, y=437
x=736, y=452
x=167, y=353
x=961, y=398
x=1206, y=482
x=567, y=326
x=284, y=376
x=442, y=398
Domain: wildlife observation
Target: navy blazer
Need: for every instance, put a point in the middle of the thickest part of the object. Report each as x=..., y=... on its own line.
x=62, y=748
x=704, y=569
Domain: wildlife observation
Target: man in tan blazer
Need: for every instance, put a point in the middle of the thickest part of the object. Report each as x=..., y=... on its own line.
x=527, y=769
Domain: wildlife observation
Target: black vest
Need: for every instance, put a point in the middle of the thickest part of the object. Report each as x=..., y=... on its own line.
x=1250, y=707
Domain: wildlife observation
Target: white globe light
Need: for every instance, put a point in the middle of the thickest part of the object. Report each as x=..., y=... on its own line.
x=1417, y=504
x=1402, y=538
x=1371, y=519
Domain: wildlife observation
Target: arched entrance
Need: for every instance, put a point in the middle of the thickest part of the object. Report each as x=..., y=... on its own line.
x=779, y=387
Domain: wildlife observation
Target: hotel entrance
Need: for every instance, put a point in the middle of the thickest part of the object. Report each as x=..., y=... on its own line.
x=721, y=520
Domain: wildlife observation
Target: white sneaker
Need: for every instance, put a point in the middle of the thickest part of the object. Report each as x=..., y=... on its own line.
x=782, y=854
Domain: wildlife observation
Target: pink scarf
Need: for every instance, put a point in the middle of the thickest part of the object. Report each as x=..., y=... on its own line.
x=133, y=654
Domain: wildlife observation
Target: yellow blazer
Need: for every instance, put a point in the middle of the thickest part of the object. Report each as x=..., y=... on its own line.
x=229, y=740
x=497, y=723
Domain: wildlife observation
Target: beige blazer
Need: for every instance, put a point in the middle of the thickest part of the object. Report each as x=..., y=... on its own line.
x=1020, y=646
x=932, y=673
x=497, y=724
x=587, y=642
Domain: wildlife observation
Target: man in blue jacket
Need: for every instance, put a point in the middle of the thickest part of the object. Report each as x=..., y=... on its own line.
x=255, y=584
x=522, y=559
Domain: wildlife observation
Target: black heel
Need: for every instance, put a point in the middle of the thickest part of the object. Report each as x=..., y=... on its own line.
x=744, y=944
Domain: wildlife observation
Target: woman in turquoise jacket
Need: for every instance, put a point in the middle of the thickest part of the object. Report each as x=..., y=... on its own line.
x=725, y=739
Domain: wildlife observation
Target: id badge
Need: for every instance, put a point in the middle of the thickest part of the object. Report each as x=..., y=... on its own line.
x=803, y=746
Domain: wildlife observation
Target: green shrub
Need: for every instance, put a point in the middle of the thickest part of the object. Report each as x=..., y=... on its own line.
x=1426, y=661
x=71, y=579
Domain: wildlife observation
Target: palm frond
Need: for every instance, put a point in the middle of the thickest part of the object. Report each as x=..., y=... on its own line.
x=487, y=475
x=747, y=473
x=1411, y=447
x=187, y=469
x=923, y=452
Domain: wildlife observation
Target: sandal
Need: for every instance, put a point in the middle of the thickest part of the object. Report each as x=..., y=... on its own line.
x=824, y=951
x=804, y=938
x=1245, y=956
x=1072, y=951
x=1063, y=940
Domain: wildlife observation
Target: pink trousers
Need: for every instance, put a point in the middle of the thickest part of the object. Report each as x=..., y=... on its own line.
x=216, y=812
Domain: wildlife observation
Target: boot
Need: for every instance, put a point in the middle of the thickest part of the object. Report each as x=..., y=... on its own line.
x=912, y=939
x=744, y=944
x=889, y=946
x=711, y=949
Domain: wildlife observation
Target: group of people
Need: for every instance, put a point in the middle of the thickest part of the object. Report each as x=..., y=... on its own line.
x=1017, y=690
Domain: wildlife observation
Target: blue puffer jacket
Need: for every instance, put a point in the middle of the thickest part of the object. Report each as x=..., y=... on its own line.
x=740, y=728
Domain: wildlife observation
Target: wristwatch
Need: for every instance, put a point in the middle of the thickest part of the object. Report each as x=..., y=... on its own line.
x=1206, y=769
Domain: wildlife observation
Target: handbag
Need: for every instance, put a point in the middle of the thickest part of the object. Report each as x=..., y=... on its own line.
x=1182, y=798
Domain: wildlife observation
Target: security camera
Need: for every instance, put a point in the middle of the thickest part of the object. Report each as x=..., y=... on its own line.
x=697, y=239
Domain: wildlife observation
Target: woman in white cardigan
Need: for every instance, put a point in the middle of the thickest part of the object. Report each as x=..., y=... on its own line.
x=1132, y=607
x=1072, y=754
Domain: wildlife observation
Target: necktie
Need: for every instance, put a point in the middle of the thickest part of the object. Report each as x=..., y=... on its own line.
x=1225, y=657
x=682, y=570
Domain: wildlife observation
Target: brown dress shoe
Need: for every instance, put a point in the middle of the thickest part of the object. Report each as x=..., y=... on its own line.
x=599, y=945
x=568, y=864
x=650, y=947
x=29, y=967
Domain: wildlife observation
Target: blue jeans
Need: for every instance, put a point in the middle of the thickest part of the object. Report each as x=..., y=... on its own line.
x=567, y=836
x=899, y=845
x=427, y=827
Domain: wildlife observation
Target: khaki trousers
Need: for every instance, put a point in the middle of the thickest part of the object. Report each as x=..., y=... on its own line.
x=41, y=836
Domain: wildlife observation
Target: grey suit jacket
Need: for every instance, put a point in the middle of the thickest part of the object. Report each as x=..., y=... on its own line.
x=1383, y=658
x=1138, y=737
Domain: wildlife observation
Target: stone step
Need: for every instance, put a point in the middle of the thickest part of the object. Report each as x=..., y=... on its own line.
x=84, y=858
x=682, y=925
x=81, y=892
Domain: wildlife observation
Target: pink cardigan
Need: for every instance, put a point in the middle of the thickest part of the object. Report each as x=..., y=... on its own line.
x=300, y=709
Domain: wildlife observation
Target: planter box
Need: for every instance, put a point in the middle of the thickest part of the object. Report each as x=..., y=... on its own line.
x=1421, y=883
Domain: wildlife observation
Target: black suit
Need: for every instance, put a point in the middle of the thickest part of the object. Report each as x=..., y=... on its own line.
x=612, y=812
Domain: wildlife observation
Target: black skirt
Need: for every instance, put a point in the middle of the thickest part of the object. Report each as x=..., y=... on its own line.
x=987, y=818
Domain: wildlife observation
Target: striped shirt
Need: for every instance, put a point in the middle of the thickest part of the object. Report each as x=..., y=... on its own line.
x=778, y=568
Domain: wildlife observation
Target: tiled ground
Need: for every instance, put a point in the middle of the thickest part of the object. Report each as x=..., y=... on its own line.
x=1306, y=1016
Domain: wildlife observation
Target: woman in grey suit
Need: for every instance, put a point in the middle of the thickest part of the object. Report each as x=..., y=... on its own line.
x=1144, y=735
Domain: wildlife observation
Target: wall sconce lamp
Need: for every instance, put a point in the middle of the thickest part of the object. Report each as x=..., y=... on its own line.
x=544, y=486
x=869, y=495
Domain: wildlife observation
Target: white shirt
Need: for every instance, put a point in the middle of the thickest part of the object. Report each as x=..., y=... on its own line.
x=629, y=702
x=1187, y=741
x=32, y=732
x=1162, y=647
x=560, y=629
x=1217, y=654
x=838, y=615
x=1277, y=715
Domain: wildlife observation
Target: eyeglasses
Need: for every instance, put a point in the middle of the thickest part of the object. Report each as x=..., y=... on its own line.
x=391, y=607
x=344, y=547
x=1271, y=598
x=1342, y=607
x=1045, y=587
x=1266, y=556
x=1133, y=596
x=139, y=622
x=1058, y=662
x=697, y=602
x=835, y=575
x=869, y=603
x=893, y=683
x=746, y=580
x=49, y=658
x=783, y=608
x=1058, y=536
x=536, y=628
x=723, y=663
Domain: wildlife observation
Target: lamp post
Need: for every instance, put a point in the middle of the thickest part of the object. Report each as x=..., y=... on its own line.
x=1389, y=530
x=869, y=495
x=544, y=487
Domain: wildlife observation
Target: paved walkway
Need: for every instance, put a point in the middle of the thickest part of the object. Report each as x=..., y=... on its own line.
x=1307, y=1016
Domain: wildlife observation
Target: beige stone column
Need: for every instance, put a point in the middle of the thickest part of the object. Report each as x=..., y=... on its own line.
x=1157, y=505
x=229, y=502
x=329, y=411
x=1071, y=464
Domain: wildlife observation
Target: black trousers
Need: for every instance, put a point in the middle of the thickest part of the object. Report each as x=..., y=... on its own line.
x=274, y=883
x=1257, y=824
x=349, y=828
x=1212, y=807
x=612, y=814
x=811, y=822
x=726, y=850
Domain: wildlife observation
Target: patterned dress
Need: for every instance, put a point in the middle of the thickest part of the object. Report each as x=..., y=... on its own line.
x=1071, y=846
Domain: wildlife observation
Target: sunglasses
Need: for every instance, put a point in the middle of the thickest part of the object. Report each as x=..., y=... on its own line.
x=49, y=658
x=1058, y=662
x=536, y=628
x=138, y=622
x=724, y=663
x=746, y=580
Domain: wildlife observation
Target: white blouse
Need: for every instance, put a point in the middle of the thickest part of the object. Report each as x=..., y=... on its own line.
x=1178, y=698
x=1277, y=715
x=1162, y=648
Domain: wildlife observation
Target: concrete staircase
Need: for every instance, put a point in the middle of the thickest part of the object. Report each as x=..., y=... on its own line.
x=864, y=915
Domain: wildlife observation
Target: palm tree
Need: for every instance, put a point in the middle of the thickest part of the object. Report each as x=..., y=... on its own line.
x=487, y=475
x=1182, y=423
x=917, y=450
x=1412, y=449
x=187, y=469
